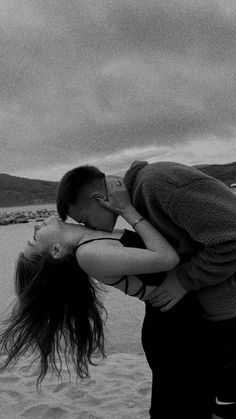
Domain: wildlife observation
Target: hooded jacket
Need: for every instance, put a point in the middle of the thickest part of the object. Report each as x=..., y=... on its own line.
x=197, y=215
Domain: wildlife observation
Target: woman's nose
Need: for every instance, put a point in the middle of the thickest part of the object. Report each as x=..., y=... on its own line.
x=36, y=228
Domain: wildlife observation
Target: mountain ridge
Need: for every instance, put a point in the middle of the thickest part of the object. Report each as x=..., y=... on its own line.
x=17, y=191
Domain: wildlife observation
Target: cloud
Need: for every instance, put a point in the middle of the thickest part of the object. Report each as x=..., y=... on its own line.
x=203, y=150
x=89, y=80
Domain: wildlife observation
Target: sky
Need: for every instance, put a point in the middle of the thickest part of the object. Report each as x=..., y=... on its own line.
x=107, y=82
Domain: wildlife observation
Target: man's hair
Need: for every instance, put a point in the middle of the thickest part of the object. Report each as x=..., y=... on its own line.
x=72, y=184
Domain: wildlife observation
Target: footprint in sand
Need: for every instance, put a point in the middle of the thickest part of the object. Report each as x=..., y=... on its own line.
x=44, y=412
x=86, y=415
x=55, y=413
x=8, y=379
x=88, y=382
x=75, y=393
x=54, y=387
x=29, y=370
x=144, y=389
x=91, y=401
x=24, y=368
x=17, y=397
x=31, y=384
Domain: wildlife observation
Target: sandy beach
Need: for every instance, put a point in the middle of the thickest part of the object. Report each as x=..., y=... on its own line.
x=118, y=387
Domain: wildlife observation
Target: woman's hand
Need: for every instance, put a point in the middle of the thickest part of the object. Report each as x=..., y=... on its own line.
x=118, y=196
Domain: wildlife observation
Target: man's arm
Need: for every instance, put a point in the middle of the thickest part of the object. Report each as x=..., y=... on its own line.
x=166, y=295
x=207, y=211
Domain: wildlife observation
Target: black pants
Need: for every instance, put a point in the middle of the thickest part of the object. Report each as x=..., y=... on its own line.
x=221, y=344
x=174, y=348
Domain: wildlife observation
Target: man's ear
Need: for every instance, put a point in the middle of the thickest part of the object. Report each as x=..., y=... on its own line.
x=98, y=196
x=56, y=251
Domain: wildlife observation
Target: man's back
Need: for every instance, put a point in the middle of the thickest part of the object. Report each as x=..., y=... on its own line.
x=197, y=214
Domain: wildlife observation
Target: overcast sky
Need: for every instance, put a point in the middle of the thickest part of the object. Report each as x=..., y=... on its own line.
x=106, y=82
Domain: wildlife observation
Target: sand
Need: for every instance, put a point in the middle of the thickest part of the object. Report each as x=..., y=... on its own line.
x=119, y=386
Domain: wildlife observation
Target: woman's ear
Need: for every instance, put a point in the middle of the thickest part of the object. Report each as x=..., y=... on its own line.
x=56, y=251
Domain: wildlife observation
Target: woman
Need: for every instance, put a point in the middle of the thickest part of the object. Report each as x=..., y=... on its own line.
x=57, y=299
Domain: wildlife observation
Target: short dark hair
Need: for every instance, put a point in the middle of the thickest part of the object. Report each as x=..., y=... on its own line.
x=72, y=184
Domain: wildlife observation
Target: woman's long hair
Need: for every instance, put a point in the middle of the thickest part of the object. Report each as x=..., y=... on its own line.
x=56, y=302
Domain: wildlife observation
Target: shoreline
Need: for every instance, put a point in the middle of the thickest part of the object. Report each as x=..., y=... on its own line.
x=35, y=212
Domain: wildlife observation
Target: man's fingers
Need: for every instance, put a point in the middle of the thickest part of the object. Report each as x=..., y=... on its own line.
x=169, y=305
x=160, y=301
x=156, y=293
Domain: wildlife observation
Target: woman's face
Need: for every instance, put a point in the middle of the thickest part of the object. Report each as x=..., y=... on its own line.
x=46, y=234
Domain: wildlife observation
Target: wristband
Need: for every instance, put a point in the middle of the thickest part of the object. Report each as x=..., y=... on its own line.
x=137, y=221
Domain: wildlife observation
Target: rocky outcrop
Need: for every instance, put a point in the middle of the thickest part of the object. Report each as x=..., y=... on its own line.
x=19, y=217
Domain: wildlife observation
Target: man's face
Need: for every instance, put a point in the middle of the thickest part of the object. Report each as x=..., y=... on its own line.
x=92, y=214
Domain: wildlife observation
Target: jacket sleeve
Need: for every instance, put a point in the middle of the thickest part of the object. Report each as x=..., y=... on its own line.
x=206, y=209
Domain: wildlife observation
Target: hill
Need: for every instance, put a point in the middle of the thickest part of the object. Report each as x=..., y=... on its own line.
x=23, y=191
x=225, y=172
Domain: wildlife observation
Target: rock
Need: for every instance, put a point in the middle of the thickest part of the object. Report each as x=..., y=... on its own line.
x=3, y=222
x=10, y=220
x=22, y=220
x=25, y=216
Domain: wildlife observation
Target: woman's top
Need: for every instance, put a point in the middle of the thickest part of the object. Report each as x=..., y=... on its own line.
x=131, y=239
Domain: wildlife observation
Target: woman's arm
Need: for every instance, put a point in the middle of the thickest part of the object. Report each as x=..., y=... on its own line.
x=119, y=202
x=152, y=238
x=114, y=260
x=108, y=263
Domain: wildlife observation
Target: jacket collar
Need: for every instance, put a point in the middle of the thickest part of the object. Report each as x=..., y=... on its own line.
x=131, y=174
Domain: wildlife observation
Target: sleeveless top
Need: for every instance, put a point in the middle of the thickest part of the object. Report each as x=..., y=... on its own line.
x=131, y=239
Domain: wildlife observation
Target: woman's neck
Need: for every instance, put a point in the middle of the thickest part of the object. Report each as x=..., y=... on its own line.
x=78, y=234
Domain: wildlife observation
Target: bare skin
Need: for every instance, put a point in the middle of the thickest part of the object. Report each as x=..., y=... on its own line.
x=112, y=261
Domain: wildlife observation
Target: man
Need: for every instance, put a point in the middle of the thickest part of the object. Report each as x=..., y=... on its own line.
x=77, y=198
x=197, y=214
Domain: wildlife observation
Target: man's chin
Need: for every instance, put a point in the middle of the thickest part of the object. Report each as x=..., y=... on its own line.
x=108, y=228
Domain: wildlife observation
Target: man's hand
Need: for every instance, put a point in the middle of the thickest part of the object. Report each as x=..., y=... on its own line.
x=166, y=295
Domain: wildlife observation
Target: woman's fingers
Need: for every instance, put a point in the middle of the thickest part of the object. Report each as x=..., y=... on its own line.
x=112, y=183
x=118, y=196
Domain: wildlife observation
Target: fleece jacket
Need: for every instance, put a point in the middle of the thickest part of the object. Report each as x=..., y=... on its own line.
x=197, y=215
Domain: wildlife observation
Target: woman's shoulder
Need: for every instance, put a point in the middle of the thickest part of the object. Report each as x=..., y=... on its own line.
x=95, y=236
x=125, y=237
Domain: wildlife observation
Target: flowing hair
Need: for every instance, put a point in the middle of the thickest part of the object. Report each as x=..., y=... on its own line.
x=56, y=302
